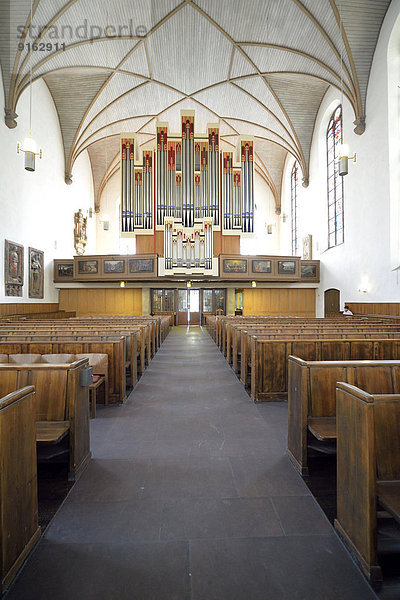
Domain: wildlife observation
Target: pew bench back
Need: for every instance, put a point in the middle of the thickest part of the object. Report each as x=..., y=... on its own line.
x=312, y=397
x=368, y=461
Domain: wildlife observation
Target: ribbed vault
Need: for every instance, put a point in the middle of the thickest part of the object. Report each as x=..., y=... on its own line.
x=258, y=67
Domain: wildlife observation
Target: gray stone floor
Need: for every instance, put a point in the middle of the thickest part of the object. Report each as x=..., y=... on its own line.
x=190, y=496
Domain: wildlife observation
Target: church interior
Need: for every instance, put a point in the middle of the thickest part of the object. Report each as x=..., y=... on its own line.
x=199, y=299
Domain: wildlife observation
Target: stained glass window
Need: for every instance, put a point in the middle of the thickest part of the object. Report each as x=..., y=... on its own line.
x=335, y=181
x=294, y=185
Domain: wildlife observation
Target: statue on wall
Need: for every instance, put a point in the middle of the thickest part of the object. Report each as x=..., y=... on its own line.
x=80, y=236
x=36, y=273
x=307, y=247
x=13, y=268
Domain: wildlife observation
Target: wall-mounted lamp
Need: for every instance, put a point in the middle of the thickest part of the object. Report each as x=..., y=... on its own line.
x=188, y=284
x=344, y=159
x=122, y=284
x=364, y=285
x=106, y=222
x=254, y=284
x=269, y=229
x=31, y=150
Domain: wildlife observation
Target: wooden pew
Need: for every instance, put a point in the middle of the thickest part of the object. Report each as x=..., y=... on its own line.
x=368, y=470
x=19, y=529
x=62, y=408
x=114, y=348
x=245, y=344
x=312, y=397
x=269, y=359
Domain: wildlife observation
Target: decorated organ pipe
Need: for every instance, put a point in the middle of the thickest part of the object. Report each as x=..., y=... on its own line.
x=138, y=199
x=131, y=203
x=208, y=246
x=147, y=189
x=197, y=199
x=228, y=189
x=127, y=187
x=162, y=187
x=204, y=212
x=188, y=249
x=192, y=183
x=247, y=186
x=178, y=196
x=123, y=192
x=188, y=171
x=171, y=196
x=213, y=173
x=237, y=209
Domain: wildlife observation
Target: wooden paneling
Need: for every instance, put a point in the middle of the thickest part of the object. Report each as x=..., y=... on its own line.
x=15, y=308
x=102, y=301
x=279, y=301
x=230, y=244
x=144, y=244
x=216, y=243
x=159, y=243
x=375, y=308
x=19, y=529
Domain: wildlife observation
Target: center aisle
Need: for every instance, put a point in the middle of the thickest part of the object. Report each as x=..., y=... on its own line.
x=190, y=496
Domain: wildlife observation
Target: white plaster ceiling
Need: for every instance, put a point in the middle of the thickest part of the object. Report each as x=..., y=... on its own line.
x=258, y=67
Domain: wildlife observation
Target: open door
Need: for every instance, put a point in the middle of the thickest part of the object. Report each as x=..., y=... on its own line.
x=188, y=312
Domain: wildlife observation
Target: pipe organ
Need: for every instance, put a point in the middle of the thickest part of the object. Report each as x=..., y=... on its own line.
x=188, y=250
x=186, y=187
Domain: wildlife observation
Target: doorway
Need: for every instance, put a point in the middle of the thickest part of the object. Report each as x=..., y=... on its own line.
x=188, y=312
x=332, y=302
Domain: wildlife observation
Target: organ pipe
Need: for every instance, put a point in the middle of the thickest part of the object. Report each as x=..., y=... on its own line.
x=191, y=183
x=247, y=186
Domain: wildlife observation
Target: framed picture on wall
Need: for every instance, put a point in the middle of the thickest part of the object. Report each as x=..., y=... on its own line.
x=310, y=270
x=36, y=273
x=234, y=265
x=88, y=267
x=114, y=266
x=141, y=265
x=13, y=268
x=261, y=266
x=286, y=267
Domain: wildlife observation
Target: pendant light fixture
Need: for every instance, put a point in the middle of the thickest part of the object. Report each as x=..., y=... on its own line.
x=343, y=149
x=29, y=146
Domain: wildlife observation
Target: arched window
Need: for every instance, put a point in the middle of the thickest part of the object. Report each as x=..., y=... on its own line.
x=335, y=181
x=294, y=188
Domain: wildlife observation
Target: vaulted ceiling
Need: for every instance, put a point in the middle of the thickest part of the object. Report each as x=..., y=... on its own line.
x=259, y=67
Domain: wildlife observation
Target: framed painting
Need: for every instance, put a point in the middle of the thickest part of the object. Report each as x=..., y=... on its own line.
x=88, y=267
x=261, y=266
x=234, y=265
x=13, y=268
x=36, y=273
x=286, y=267
x=310, y=270
x=141, y=265
x=63, y=270
x=114, y=266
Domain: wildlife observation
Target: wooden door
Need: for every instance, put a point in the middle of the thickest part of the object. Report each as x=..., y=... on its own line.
x=182, y=315
x=332, y=302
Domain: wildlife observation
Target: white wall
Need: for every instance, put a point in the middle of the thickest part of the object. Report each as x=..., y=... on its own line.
x=109, y=241
x=37, y=209
x=264, y=214
x=365, y=257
